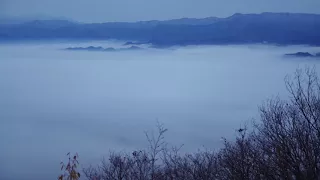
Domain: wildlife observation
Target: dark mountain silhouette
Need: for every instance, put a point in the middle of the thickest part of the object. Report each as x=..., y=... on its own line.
x=275, y=28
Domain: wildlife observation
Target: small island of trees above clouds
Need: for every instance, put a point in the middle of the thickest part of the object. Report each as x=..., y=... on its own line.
x=101, y=49
x=304, y=54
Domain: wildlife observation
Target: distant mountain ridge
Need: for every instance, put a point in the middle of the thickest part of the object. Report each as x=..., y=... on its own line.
x=19, y=20
x=275, y=28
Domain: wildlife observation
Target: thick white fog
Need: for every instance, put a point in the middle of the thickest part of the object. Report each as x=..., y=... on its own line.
x=54, y=101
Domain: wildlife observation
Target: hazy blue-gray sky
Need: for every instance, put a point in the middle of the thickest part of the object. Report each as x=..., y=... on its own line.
x=134, y=10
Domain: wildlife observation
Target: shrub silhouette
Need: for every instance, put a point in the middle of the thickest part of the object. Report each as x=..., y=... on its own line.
x=69, y=170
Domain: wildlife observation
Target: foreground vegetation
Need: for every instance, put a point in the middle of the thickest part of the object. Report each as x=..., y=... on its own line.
x=283, y=144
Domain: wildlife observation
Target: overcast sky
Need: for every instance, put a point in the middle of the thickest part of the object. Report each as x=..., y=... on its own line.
x=135, y=10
